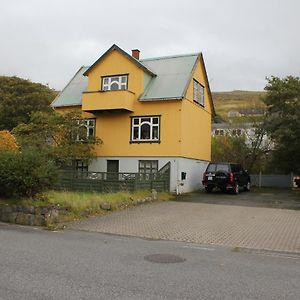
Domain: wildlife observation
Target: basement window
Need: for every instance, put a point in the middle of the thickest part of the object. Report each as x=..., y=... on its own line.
x=114, y=83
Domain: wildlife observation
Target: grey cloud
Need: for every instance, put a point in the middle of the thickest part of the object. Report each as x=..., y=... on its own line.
x=242, y=41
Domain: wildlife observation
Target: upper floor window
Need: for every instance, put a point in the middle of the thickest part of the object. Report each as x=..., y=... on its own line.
x=145, y=129
x=86, y=129
x=198, y=96
x=114, y=83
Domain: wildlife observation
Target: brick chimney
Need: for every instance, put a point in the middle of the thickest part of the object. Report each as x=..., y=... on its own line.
x=136, y=53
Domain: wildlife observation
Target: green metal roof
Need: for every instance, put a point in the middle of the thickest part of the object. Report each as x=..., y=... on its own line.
x=71, y=95
x=173, y=74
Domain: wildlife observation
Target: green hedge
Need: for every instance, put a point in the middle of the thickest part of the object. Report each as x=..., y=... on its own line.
x=25, y=173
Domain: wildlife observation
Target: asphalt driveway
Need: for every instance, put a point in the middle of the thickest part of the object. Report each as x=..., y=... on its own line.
x=258, y=197
x=253, y=220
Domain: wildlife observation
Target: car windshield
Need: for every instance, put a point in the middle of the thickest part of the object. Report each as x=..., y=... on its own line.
x=218, y=167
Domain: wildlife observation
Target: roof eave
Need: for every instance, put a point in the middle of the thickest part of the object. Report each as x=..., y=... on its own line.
x=161, y=99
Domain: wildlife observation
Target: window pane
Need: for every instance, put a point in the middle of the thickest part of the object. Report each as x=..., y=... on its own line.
x=124, y=79
x=82, y=132
x=136, y=121
x=135, y=133
x=114, y=86
x=155, y=120
x=145, y=132
x=91, y=132
x=105, y=80
x=112, y=79
x=155, y=132
x=145, y=120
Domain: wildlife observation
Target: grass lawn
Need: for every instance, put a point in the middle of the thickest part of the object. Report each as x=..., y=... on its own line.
x=76, y=205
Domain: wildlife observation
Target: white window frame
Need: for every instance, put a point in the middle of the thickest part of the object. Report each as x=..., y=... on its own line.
x=88, y=124
x=198, y=92
x=120, y=80
x=138, y=122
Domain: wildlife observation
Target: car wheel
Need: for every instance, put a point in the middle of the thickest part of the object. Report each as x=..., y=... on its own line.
x=247, y=187
x=208, y=189
x=236, y=189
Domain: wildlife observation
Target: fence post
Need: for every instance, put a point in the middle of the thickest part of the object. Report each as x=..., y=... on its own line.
x=259, y=179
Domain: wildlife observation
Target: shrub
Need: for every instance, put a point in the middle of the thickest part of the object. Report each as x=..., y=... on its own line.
x=7, y=141
x=25, y=173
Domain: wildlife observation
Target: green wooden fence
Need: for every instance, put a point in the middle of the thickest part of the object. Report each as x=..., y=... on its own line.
x=105, y=182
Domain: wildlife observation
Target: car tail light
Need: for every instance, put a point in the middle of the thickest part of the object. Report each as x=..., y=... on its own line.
x=231, y=177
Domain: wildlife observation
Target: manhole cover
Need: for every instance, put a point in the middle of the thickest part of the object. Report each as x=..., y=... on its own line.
x=164, y=258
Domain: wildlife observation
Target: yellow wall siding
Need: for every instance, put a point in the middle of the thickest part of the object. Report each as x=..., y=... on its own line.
x=196, y=131
x=196, y=120
x=200, y=77
x=117, y=64
x=115, y=129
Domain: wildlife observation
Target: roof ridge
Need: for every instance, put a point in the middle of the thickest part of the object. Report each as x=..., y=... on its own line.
x=170, y=56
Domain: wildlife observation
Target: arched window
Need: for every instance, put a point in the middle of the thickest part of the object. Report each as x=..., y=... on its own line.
x=114, y=83
x=145, y=129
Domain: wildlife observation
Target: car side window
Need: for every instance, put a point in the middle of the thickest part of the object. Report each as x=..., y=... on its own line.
x=236, y=168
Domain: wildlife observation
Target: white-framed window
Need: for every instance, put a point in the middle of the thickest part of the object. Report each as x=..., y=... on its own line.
x=145, y=129
x=198, y=92
x=86, y=129
x=114, y=83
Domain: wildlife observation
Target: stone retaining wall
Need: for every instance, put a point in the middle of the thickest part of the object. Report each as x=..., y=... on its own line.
x=28, y=215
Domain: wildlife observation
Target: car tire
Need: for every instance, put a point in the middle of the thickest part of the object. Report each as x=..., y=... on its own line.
x=247, y=187
x=236, y=189
x=208, y=189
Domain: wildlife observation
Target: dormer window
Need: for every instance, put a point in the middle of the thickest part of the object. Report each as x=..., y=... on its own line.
x=114, y=83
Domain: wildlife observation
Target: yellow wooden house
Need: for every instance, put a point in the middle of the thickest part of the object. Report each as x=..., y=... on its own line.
x=148, y=112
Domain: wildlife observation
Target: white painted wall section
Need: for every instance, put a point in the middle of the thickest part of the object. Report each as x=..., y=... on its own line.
x=193, y=168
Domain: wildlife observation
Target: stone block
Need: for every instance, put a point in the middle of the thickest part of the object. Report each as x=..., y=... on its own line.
x=39, y=220
x=21, y=218
x=12, y=217
x=28, y=209
x=4, y=216
x=105, y=206
x=154, y=194
x=7, y=209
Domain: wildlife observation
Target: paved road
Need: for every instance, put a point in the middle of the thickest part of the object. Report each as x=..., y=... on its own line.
x=37, y=264
x=194, y=219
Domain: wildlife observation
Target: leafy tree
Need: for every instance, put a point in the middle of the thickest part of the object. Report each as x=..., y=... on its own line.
x=283, y=121
x=59, y=136
x=229, y=149
x=7, y=141
x=19, y=98
x=253, y=155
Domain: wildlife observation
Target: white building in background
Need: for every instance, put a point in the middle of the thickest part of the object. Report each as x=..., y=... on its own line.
x=239, y=129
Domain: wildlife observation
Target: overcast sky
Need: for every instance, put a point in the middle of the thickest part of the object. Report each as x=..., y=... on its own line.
x=242, y=41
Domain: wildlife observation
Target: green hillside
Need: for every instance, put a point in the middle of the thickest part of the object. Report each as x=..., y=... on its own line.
x=235, y=100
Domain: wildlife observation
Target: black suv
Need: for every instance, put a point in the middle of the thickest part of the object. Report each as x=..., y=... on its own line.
x=226, y=176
